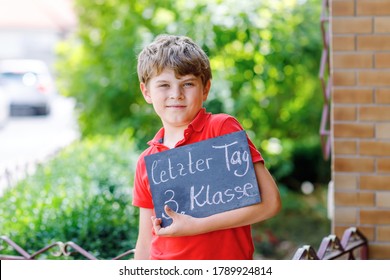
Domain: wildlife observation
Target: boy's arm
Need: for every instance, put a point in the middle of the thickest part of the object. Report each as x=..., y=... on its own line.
x=184, y=225
x=142, y=248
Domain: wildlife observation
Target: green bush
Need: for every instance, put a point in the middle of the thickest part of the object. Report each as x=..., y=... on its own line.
x=82, y=195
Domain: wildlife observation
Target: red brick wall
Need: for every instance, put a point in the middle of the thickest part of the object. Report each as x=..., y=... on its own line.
x=360, y=71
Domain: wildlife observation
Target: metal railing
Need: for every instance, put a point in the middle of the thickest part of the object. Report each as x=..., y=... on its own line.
x=57, y=249
x=353, y=245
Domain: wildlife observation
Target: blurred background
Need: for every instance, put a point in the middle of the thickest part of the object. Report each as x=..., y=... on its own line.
x=31, y=29
x=68, y=171
x=35, y=120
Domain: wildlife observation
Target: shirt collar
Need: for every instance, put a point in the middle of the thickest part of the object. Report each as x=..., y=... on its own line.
x=197, y=125
x=200, y=120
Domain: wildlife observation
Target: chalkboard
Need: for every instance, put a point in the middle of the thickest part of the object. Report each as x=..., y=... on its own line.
x=204, y=178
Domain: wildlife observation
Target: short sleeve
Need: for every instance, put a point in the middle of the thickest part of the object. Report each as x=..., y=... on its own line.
x=141, y=191
x=228, y=124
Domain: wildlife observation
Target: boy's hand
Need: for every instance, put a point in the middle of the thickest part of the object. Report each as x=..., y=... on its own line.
x=182, y=225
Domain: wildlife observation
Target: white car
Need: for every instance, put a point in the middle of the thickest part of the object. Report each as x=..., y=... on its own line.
x=29, y=85
x=4, y=108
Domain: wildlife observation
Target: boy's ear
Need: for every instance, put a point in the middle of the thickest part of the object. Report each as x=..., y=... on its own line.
x=145, y=92
x=206, y=90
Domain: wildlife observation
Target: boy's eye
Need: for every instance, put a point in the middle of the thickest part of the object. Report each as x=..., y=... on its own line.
x=163, y=85
x=188, y=84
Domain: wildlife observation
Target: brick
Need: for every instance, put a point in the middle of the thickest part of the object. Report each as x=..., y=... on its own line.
x=383, y=130
x=373, y=43
x=345, y=147
x=343, y=43
x=379, y=251
x=368, y=232
x=374, y=148
x=383, y=165
x=372, y=7
x=339, y=230
x=374, y=113
x=353, y=95
x=360, y=55
x=374, y=78
x=379, y=183
x=353, y=165
x=343, y=8
x=352, y=60
x=353, y=130
x=346, y=215
x=354, y=199
x=344, y=113
x=382, y=96
x=345, y=182
x=352, y=25
x=374, y=217
x=344, y=78
x=382, y=60
x=382, y=25
x=383, y=199
x=383, y=233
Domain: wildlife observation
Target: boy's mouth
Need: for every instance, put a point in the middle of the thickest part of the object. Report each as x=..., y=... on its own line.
x=176, y=106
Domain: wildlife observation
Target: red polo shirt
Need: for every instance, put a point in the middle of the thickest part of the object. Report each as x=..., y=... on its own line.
x=235, y=243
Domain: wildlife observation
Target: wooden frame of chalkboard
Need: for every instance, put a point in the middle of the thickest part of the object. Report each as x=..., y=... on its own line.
x=204, y=178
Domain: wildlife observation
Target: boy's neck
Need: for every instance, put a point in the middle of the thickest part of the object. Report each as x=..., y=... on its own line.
x=172, y=136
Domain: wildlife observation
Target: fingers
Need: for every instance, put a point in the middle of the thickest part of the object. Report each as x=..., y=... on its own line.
x=169, y=211
x=156, y=223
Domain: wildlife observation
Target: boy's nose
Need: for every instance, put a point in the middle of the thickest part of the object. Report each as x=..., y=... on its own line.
x=176, y=93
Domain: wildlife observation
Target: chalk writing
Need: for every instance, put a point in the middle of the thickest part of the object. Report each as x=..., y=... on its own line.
x=177, y=169
x=235, y=157
x=203, y=178
x=203, y=195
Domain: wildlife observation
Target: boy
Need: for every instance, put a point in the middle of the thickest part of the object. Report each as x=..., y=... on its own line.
x=175, y=77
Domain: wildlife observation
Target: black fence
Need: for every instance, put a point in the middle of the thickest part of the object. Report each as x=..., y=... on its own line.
x=353, y=245
x=56, y=249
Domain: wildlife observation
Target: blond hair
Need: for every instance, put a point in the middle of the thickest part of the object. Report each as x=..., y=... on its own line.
x=178, y=53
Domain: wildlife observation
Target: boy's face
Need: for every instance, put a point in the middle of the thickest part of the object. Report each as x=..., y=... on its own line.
x=175, y=100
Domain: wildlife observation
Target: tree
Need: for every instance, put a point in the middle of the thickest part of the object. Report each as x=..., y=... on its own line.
x=264, y=54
